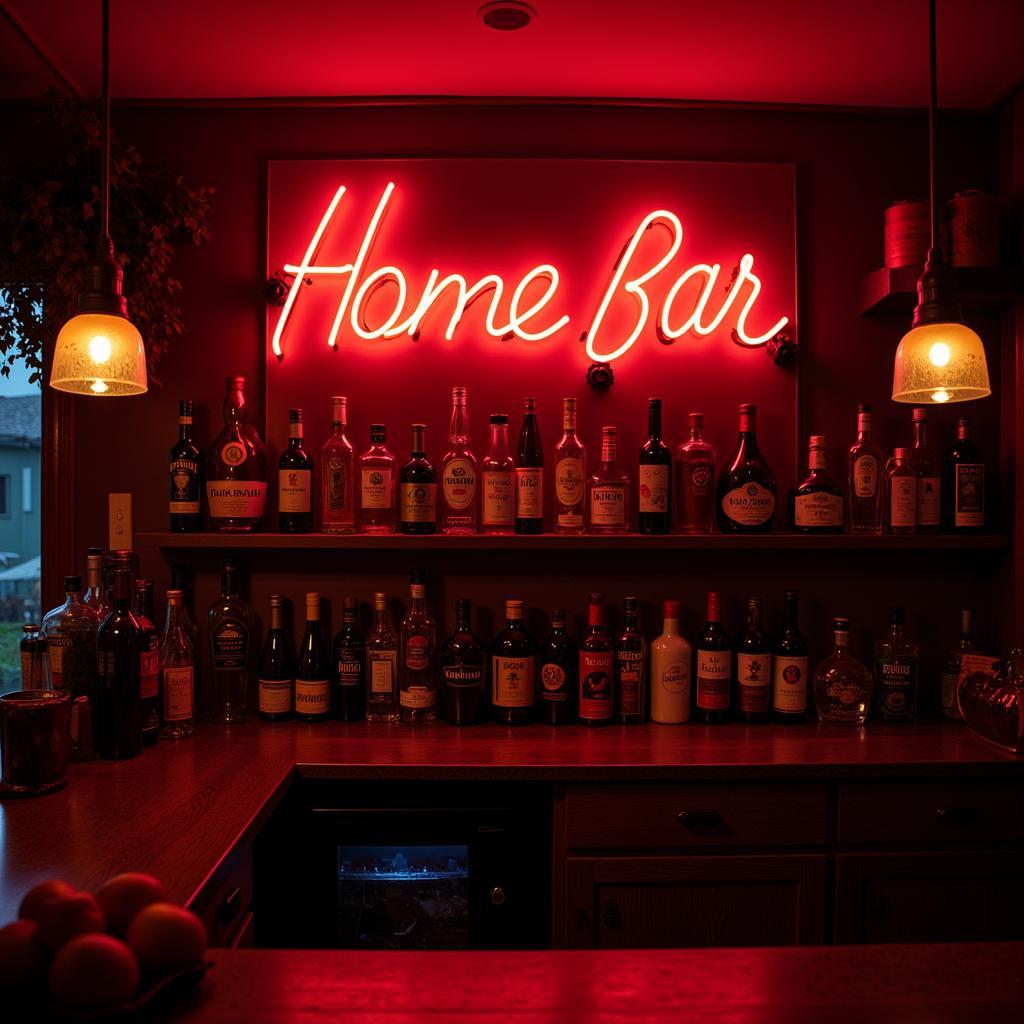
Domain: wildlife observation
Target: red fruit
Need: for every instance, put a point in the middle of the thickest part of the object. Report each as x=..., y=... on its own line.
x=22, y=957
x=123, y=896
x=65, y=917
x=39, y=894
x=94, y=971
x=165, y=937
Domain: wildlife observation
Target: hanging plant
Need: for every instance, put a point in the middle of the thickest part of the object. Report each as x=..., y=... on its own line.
x=49, y=210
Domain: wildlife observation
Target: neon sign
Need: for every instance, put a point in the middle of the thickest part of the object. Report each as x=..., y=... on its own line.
x=528, y=319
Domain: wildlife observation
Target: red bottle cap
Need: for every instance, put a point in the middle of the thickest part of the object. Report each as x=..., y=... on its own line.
x=671, y=609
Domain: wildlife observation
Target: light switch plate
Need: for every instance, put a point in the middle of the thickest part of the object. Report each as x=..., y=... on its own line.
x=120, y=521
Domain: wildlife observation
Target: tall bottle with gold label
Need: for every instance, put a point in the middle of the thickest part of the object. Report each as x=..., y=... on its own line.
x=236, y=475
x=866, y=478
x=460, y=501
x=418, y=488
x=338, y=460
x=746, y=488
x=570, y=474
x=790, y=696
x=530, y=473
x=513, y=669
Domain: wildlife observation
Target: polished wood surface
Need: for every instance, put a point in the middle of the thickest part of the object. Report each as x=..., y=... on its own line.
x=941, y=984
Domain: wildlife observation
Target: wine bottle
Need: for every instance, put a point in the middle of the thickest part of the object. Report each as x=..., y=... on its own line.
x=236, y=477
x=149, y=661
x=119, y=691
x=695, y=460
x=753, y=669
x=498, y=476
x=185, y=477
x=746, y=489
x=377, y=484
x=177, y=673
x=926, y=468
x=418, y=673
x=350, y=664
x=513, y=669
x=900, y=494
x=570, y=474
x=816, y=504
x=418, y=488
x=530, y=473
x=458, y=473
x=964, y=487
x=654, y=477
x=276, y=677
x=790, y=698
x=714, y=667
x=559, y=665
x=608, y=490
x=295, y=481
x=630, y=669
x=671, y=658
x=381, y=665
x=597, y=668
x=231, y=628
x=338, y=491
x=463, y=671
x=865, y=479
x=313, y=673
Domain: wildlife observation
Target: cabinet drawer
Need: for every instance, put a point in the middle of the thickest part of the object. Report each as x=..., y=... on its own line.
x=930, y=812
x=226, y=898
x=692, y=816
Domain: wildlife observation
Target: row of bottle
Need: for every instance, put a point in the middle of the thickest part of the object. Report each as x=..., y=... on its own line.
x=504, y=493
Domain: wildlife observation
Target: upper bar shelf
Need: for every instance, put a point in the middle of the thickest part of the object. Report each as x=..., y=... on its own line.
x=892, y=291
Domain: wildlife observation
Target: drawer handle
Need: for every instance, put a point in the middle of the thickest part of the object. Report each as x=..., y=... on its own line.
x=229, y=907
x=699, y=819
x=958, y=815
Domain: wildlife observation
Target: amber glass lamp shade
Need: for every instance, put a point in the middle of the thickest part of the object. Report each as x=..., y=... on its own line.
x=938, y=363
x=99, y=354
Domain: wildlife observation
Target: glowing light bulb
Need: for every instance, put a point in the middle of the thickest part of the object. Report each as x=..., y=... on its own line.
x=940, y=354
x=98, y=386
x=100, y=349
x=940, y=395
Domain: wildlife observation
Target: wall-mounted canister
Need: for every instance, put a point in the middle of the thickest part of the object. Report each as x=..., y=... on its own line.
x=973, y=218
x=907, y=233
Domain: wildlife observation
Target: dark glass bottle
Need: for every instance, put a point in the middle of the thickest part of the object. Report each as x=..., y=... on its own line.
x=695, y=479
x=753, y=669
x=714, y=667
x=313, y=673
x=963, y=490
x=896, y=665
x=185, y=477
x=513, y=669
x=119, y=720
x=654, y=477
x=231, y=636
x=816, y=503
x=529, y=473
x=463, y=671
x=630, y=668
x=746, y=488
x=350, y=660
x=149, y=661
x=276, y=676
x=929, y=486
x=236, y=473
x=559, y=664
x=418, y=488
x=295, y=481
x=790, y=681
x=597, y=668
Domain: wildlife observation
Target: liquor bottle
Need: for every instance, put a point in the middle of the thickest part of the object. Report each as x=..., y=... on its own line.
x=96, y=591
x=70, y=634
x=417, y=680
x=559, y=664
x=714, y=667
x=753, y=669
x=630, y=669
x=695, y=476
x=338, y=488
x=313, y=670
x=418, y=488
x=149, y=660
x=276, y=674
x=896, y=657
x=746, y=489
x=597, y=668
x=926, y=468
x=350, y=662
x=498, y=474
x=33, y=657
x=529, y=473
x=951, y=668
x=458, y=473
x=230, y=629
x=964, y=485
x=177, y=673
x=570, y=474
x=842, y=685
x=816, y=504
x=900, y=494
x=236, y=475
x=463, y=671
x=608, y=491
x=671, y=671
x=866, y=484
x=381, y=665
x=185, y=477
x=179, y=581
x=654, y=477
x=790, y=696
x=295, y=481
x=513, y=670
x=119, y=694
x=377, y=484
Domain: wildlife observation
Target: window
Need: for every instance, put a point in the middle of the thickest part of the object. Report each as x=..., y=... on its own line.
x=5, y=495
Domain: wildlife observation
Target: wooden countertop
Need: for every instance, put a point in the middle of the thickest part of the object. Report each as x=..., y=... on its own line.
x=942, y=984
x=178, y=809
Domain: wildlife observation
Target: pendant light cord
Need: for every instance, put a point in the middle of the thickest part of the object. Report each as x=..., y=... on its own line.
x=106, y=245
x=933, y=102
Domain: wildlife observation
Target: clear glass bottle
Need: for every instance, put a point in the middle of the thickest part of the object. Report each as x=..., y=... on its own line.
x=559, y=665
x=608, y=491
x=377, y=472
x=671, y=671
x=816, y=503
x=149, y=660
x=119, y=703
x=418, y=488
x=313, y=669
x=33, y=657
x=842, y=685
x=350, y=664
x=185, y=477
x=753, y=669
x=230, y=628
x=570, y=474
x=295, y=481
x=865, y=484
x=418, y=663
x=96, y=591
x=70, y=634
x=896, y=661
x=498, y=476
x=630, y=668
x=381, y=665
x=463, y=671
x=276, y=673
x=695, y=480
x=790, y=697
x=338, y=462
x=179, y=581
x=951, y=668
x=597, y=667
x=900, y=494
x=654, y=477
x=964, y=486
x=513, y=670
x=460, y=502
x=236, y=475
x=712, y=698
x=926, y=468
x=746, y=488
x=177, y=673
x=530, y=473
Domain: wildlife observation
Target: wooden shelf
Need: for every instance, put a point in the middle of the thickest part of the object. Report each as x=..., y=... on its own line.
x=893, y=292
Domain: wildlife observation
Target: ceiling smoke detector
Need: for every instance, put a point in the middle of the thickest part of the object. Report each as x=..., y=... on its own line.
x=506, y=15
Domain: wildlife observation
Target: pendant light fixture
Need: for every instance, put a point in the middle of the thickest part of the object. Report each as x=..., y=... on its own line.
x=99, y=351
x=940, y=359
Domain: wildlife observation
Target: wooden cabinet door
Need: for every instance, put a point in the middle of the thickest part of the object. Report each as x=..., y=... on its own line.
x=930, y=897
x=636, y=902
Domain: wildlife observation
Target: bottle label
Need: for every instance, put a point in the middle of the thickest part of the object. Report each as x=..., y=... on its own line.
x=714, y=671
x=969, y=505
x=897, y=685
x=149, y=669
x=417, y=653
x=753, y=676
x=789, y=684
x=275, y=696
x=928, y=507
x=865, y=476
x=950, y=686
x=569, y=481
x=675, y=677
x=463, y=676
x=178, y=691
x=245, y=499
x=499, y=498
x=569, y=520
x=630, y=665
x=383, y=665
x=596, y=669
x=419, y=503
x=184, y=485
x=818, y=508
x=529, y=492
x=55, y=648
x=350, y=669
x=513, y=680
x=553, y=681
x=903, y=504
x=312, y=696
x=700, y=476
x=417, y=697
x=608, y=505
x=293, y=490
x=653, y=484
x=233, y=453
x=458, y=477
x=335, y=484
x=376, y=488
x=230, y=645
x=749, y=505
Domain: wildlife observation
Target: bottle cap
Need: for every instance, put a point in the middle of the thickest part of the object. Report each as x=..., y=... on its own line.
x=174, y=597
x=234, y=382
x=897, y=616
x=350, y=604
x=901, y=454
x=630, y=605
x=748, y=408
x=276, y=600
x=817, y=440
x=30, y=627
x=513, y=609
x=558, y=616
x=671, y=609
x=312, y=605
x=841, y=624
x=714, y=606
x=72, y=583
x=459, y=395
x=380, y=601
x=920, y=414
x=498, y=418
x=417, y=576
x=185, y=407
x=294, y=415
x=462, y=608
x=696, y=419
x=378, y=432
x=863, y=407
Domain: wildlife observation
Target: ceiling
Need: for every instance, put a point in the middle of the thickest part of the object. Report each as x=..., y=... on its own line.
x=860, y=53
